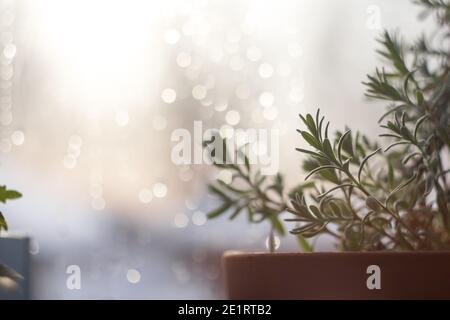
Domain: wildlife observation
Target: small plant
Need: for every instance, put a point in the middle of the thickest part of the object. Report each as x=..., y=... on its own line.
x=5, y=195
x=8, y=277
x=365, y=196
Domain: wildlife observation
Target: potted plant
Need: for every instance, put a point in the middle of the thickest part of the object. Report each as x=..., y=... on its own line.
x=13, y=256
x=387, y=208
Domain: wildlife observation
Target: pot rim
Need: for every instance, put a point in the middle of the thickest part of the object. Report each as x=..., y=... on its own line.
x=242, y=254
x=14, y=235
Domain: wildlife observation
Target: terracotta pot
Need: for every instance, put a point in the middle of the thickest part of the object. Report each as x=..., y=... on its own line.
x=340, y=275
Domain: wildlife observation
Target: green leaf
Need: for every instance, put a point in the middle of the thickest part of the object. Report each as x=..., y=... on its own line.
x=220, y=210
x=304, y=228
x=337, y=212
x=215, y=190
x=342, y=186
x=303, y=119
x=346, y=164
x=417, y=126
x=236, y=211
x=311, y=140
x=250, y=213
x=401, y=187
x=3, y=224
x=390, y=175
x=393, y=109
x=410, y=156
x=315, y=211
x=361, y=167
x=277, y=225
x=419, y=98
x=314, y=231
x=340, y=144
x=394, y=52
x=328, y=150
x=311, y=153
x=229, y=187
x=311, y=125
x=329, y=175
x=317, y=121
x=304, y=244
x=320, y=127
x=301, y=188
x=6, y=194
x=372, y=203
x=321, y=168
x=326, y=130
x=389, y=135
x=396, y=144
x=408, y=77
x=241, y=154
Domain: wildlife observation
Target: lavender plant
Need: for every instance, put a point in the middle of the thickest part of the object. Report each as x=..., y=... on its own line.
x=365, y=196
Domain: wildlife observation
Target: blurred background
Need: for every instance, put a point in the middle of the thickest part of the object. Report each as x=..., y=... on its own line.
x=91, y=91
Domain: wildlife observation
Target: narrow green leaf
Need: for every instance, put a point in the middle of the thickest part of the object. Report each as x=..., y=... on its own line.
x=346, y=164
x=394, y=109
x=315, y=211
x=405, y=85
x=311, y=140
x=315, y=231
x=361, y=167
x=328, y=150
x=303, y=228
x=236, y=211
x=410, y=156
x=3, y=224
x=326, y=130
x=215, y=190
x=232, y=189
x=390, y=174
x=250, y=213
x=400, y=187
x=417, y=126
x=396, y=144
x=419, y=98
x=311, y=125
x=320, y=128
x=340, y=143
x=342, y=186
x=220, y=210
x=303, y=119
x=335, y=209
x=304, y=244
x=317, y=121
x=325, y=167
x=311, y=153
x=389, y=135
x=277, y=225
x=300, y=188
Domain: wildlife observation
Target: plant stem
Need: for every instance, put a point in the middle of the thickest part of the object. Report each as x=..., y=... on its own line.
x=385, y=208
